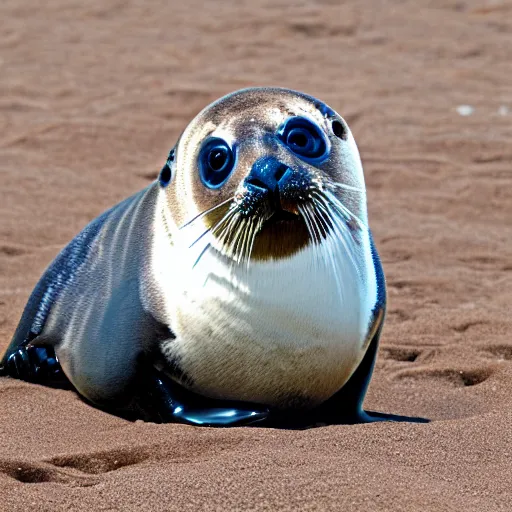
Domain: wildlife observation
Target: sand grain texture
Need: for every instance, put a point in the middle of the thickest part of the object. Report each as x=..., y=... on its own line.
x=92, y=97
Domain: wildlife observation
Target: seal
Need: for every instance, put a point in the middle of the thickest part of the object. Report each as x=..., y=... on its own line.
x=242, y=286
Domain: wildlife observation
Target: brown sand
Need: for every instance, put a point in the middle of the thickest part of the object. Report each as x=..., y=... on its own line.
x=91, y=99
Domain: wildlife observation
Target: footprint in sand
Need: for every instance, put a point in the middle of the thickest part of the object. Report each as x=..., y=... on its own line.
x=101, y=462
x=499, y=352
x=72, y=470
x=40, y=472
x=451, y=376
x=12, y=250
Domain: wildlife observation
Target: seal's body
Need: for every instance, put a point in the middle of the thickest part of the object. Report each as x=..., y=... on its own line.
x=241, y=286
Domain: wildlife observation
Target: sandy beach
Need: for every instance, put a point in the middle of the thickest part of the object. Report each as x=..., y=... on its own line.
x=92, y=97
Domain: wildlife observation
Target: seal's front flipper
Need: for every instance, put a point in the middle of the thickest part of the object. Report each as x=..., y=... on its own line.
x=164, y=401
x=219, y=417
x=346, y=406
x=34, y=363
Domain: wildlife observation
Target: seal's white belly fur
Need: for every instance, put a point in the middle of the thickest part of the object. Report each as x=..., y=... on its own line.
x=281, y=333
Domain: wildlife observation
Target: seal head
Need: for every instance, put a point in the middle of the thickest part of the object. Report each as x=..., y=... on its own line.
x=265, y=154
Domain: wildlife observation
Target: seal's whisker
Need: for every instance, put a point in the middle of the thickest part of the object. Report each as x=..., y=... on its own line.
x=319, y=258
x=201, y=254
x=245, y=242
x=336, y=203
x=240, y=234
x=225, y=227
x=227, y=238
x=243, y=237
x=332, y=203
x=309, y=223
x=346, y=187
x=206, y=212
x=341, y=230
x=319, y=198
x=304, y=211
x=255, y=231
x=205, y=232
x=238, y=240
x=219, y=225
x=304, y=215
x=330, y=250
x=331, y=214
x=235, y=232
x=322, y=195
x=256, y=228
x=338, y=223
x=310, y=215
x=327, y=251
x=212, y=229
x=316, y=226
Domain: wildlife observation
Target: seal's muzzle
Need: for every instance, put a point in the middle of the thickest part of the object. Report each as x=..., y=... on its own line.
x=276, y=185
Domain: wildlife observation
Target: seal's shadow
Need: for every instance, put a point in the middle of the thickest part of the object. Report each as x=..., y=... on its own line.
x=200, y=418
x=159, y=399
x=284, y=423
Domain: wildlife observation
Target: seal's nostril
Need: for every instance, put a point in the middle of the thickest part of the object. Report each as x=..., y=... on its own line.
x=281, y=170
x=256, y=182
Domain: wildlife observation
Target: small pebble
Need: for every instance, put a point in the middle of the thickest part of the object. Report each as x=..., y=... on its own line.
x=465, y=110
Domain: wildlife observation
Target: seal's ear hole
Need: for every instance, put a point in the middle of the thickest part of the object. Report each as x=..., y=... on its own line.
x=165, y=176
x=339, y=130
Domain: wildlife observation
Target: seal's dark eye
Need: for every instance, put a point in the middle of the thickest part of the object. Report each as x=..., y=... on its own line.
x=304, y=138
x=216, y=161
x=166, y=174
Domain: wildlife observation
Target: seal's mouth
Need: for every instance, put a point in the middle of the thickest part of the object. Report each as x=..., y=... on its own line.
x=281, y=235
x=280, y=216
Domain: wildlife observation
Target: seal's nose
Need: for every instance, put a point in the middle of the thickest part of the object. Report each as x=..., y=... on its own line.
x=276, y=185
x=268, y=174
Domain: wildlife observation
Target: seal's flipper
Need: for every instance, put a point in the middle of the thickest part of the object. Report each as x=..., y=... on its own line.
x=34, y=363
x=346, y=406
x=164, y=401
x=220, y=417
